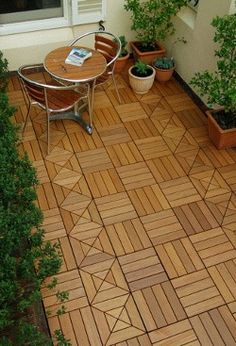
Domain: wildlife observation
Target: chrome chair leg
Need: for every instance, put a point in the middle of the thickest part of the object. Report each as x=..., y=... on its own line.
x=27, y=118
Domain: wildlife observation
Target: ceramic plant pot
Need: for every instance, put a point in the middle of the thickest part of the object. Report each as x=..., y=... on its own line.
x=141, y=85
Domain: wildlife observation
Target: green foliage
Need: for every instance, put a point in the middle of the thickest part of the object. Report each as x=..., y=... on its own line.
x=61, y=341
x=123, y=41
x=151, y=19
x=3, y=72
x=220, y=86
x=164, y=63
x=141, y=69
x=26, y=260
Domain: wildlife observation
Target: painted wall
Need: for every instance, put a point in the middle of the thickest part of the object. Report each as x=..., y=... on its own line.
x=32, y=47
x=198, y=53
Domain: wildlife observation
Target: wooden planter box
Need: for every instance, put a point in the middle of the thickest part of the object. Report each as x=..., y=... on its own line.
x=221, y=138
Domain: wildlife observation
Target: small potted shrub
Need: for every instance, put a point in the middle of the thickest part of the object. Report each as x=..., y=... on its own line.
x=141, y=77
x=151, y=20
x=164, y=67
x=124, y=55
x=219, y=87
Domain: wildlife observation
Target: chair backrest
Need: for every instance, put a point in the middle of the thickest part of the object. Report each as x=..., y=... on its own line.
x=105, y=42
x=48, y=95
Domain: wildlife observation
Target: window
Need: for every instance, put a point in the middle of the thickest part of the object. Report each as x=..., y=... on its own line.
x=193, y=4
x=28, y=15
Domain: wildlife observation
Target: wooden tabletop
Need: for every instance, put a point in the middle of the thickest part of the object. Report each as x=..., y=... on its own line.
x=92, y=68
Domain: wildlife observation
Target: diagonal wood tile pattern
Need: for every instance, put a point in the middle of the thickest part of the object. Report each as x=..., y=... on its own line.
x=144, y=212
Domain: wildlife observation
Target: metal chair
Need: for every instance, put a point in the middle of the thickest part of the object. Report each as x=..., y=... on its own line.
x=52, y=96
x=109, y=46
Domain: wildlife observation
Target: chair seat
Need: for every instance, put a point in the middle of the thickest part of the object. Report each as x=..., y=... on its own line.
x=60, y=100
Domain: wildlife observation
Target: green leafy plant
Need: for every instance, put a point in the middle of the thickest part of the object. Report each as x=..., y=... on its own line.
x=220, y=86
x=4, y=73
x=141, y=69
x=152, y=19
x=164, y=63
x=123, y=41
x=26, y=259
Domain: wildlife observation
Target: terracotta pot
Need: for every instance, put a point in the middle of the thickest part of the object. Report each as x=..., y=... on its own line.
x=120, y=63
x=164, y=75
x=147, y=57
x=221, y=138
x=141, y=85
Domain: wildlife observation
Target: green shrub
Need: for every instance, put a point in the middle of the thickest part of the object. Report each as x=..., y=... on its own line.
x=26, y=260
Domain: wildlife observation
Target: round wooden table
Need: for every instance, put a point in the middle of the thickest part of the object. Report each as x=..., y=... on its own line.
x=91, y=69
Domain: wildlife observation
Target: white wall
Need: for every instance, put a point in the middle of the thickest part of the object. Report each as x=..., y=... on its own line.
x=198, y=53
x=32, y=47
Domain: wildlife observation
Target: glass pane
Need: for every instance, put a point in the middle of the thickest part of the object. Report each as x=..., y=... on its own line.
x=14, y=11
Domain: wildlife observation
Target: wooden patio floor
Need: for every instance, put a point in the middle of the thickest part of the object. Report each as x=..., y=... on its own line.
x=144, y=211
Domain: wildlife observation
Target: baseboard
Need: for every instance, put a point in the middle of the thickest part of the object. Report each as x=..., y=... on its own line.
x=196, y=99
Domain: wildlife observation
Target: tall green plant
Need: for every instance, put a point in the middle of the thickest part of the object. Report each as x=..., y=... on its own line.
x=220, y=86
x=151, y=19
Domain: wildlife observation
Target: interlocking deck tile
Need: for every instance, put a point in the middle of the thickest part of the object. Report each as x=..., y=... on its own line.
x=152, y=147
x=142, y=269
x=180, y=333
x=128, y=237
x=94, y=160
x=180, y=191
x=159, y=306
x=136, y=175
x=115, y=208
x=215, y=327
x=163, y=227
x=124, y=154
x=196, y=217
x=148, y=200
x=197, y=292
x=165, y=168
x=213, y=246
x=103, y=183
x=130, y=112
x=142, y=128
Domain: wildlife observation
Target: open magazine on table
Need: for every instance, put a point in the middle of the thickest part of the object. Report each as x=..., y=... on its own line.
x=77, y=56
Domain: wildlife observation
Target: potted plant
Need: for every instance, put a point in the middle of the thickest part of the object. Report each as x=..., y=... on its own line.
x=220, y=86
x=152, y=22
x=124, y=55
x=141, y=77
x=164, y=68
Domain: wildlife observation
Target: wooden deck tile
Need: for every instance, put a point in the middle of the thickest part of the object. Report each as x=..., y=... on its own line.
x=197, y=292
x=229, y=174
x=159, y=306
x=115, y=208
x=94, y=160
x=180, y=191
x=148, y=200
x=180, y=333
x=216, y=327
x=136, y=175
x=128, y=237
x=195, y=217
x=179, y=258
x=213, y=246
x=114, y=134
x=130, y=112
x=163, y=227
x=152, y=147
x=124, y=154
x=142, y=269
x=104, y=183
x=165, y=168
x=142, y=128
